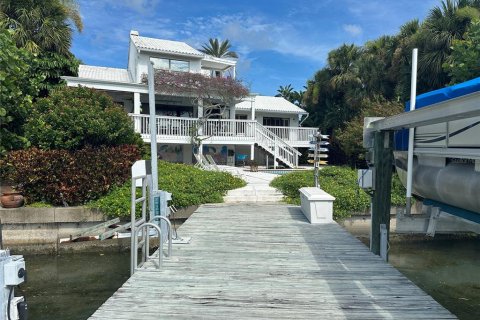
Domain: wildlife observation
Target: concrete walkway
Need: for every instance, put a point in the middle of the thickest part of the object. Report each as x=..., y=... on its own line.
x=257, y=190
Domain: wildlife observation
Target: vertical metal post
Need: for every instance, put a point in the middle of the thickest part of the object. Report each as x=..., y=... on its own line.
x=318, y=138
x=383, y=160
x=132, y=228
x=411, y=132
x=153, y=124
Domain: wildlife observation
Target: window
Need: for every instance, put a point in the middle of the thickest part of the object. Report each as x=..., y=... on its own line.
x=170, y=64
x=276, y=122
x=241, y=116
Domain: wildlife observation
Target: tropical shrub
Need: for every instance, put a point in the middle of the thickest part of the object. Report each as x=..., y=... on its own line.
x=18, y=87
x=188, y=185
x=62, y=177
x=73, y=118
x=340, y=182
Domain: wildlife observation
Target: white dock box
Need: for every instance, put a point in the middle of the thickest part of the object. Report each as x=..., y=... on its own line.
x=317, y=205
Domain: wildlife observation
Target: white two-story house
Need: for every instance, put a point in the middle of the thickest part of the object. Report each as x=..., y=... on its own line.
x=263, y=128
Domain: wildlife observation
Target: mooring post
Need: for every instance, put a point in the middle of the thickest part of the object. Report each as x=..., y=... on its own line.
x=383, y=161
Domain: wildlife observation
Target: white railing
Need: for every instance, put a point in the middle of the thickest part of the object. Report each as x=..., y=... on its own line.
x=168, y=128
x=179, y=130
x=294, y=135
x=235, y=130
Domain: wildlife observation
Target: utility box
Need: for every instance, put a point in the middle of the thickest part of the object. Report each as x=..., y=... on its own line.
x=365, y=178
x=14, y=272
x=317, y=205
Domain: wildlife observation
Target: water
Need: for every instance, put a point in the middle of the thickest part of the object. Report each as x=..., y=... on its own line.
x=73, y=286
x=448, y=270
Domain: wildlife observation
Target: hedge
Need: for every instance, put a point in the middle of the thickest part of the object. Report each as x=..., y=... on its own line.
x=188, y=185
x=341, y=182
x=73, y=118
x=62, y=177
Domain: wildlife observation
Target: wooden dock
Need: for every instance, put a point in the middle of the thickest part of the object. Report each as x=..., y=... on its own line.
x=267, y=262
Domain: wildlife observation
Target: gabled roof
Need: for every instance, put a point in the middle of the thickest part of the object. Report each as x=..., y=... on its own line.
x=103, y=73
x=165, y=46
x=270, y=104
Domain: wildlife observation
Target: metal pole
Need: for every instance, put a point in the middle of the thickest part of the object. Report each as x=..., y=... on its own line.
x=411, y=132
x=153, y=124
x=315, y=161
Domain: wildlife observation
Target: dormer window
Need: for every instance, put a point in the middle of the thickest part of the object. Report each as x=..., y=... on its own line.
x=171, y=64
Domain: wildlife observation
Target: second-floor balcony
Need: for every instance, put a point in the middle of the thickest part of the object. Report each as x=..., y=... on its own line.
x=218, y=131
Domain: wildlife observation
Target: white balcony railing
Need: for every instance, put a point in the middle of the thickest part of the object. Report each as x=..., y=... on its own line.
x=234, y=130
x=296, y=136
x=278, y=141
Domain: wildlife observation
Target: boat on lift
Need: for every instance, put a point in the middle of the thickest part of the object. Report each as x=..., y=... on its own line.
x=446, y=167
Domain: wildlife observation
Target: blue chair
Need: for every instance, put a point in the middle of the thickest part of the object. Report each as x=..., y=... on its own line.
x=242, y=158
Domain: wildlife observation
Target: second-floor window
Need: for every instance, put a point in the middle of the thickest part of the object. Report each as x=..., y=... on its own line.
x=171, y=64
x=276, y=122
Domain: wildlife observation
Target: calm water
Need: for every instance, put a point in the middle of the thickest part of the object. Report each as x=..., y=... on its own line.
x=448, y=270
x=73, y=286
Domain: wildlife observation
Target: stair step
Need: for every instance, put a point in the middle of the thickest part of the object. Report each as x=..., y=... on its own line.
x=237, y=199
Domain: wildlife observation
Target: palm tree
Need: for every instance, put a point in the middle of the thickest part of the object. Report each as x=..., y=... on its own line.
x=285, y=92
x=41, y=25
x=444, y=24
x=218, y=49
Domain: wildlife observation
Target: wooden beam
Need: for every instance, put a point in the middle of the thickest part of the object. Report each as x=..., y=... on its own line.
x=383, y=162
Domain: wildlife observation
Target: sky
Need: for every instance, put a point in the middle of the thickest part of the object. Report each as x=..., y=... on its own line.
x=279, y=42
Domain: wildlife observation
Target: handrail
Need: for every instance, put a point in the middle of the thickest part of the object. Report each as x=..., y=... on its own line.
x=135, y=248
x=169, y=228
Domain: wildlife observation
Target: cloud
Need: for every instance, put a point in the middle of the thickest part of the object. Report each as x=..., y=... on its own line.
x=141, y=6
x=254, y=33
x=353, y=29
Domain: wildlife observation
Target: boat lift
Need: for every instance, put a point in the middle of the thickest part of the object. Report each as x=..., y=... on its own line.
x=379, y=135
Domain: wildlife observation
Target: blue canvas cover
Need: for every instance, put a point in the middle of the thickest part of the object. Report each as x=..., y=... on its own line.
x=433, y=97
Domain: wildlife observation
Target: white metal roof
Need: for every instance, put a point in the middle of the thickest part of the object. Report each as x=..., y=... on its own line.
x=103, y=73
x=165, y=46
x=272, y=104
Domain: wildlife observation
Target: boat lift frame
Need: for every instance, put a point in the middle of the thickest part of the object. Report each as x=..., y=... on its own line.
x=383, y=131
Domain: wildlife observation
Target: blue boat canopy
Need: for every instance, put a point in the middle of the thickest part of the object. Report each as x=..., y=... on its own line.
x=447, y=93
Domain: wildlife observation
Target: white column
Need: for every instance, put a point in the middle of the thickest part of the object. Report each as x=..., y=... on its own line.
x=232, y=112
x=137, y=105
x=252, y=106
x=252, y=152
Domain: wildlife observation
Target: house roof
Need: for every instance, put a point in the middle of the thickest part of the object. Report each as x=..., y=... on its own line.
x=103, y=73
x=165, y=46
x=267, y=103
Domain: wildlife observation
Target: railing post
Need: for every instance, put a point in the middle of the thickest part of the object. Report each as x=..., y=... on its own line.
x=275, y=154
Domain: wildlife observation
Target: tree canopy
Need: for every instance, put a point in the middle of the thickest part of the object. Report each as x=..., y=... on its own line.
x=374, y=78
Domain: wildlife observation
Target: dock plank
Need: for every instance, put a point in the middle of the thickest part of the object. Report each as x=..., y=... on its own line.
x=260, y=261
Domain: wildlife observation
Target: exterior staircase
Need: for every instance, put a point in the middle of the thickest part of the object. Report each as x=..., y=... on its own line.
x=274, y=145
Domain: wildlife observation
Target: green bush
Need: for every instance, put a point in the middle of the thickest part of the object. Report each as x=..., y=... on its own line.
x=72, y=177
x=340, y=182
x=188, y=185
x=18, y=87
x=72, y=118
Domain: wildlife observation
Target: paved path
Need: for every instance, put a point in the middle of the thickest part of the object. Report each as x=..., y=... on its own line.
x=254, y=261
x=257, y=189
